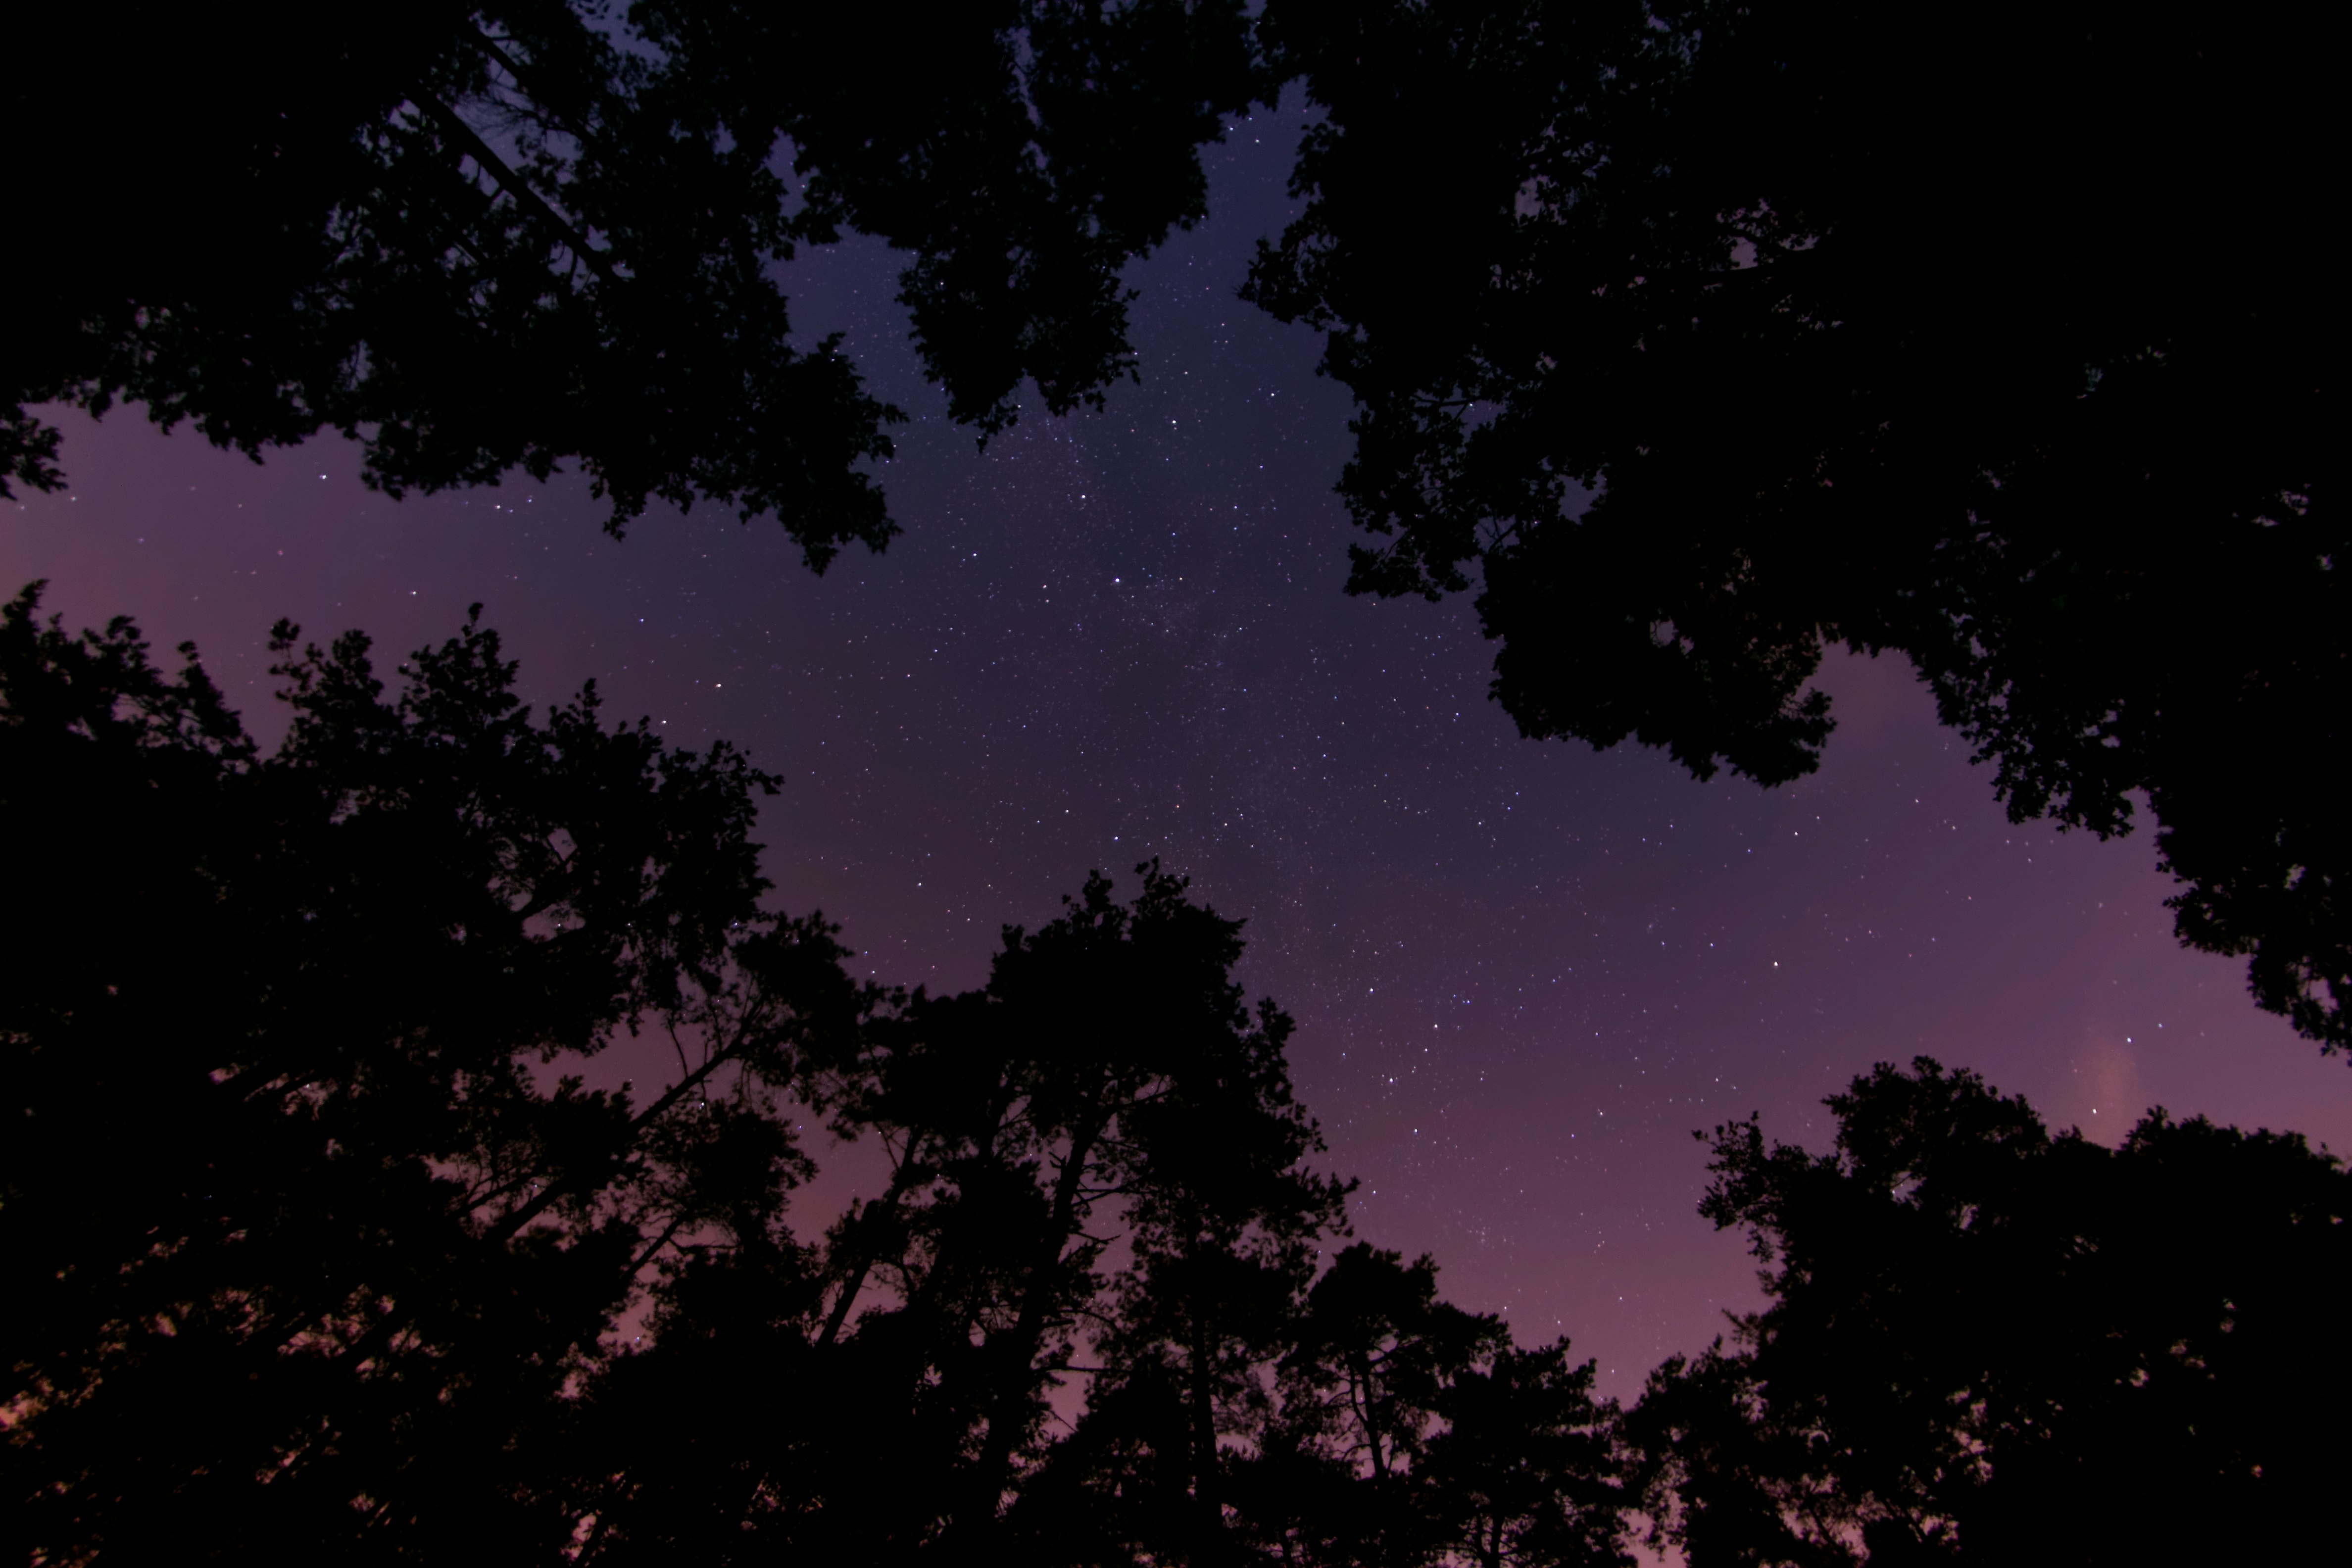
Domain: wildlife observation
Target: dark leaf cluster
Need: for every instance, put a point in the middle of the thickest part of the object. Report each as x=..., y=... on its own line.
x=1712, y=334
x=333, y=1233
x=1988, y=1343
x=482, y=239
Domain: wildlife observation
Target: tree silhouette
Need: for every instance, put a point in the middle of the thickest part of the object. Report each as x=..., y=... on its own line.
x=1414, y=1432
x=1986, y=1342
x=482, y=239
x=1374, y=1350
x=2002, y=342
x=324, y=1245
x=1085, y=1092
x=312, y=1216
x=1524, y=1471
x=2002, y=345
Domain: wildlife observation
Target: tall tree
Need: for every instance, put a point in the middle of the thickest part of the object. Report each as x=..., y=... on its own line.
x=1984, y=1343
x=313, y=1220
x=1352, y=1418
x=1716, y=332
x=1375, y=1347
x=1411, y=1432
x=887, y=1393
x=1525, y=1472
x=1224, y=1221
x=482, y=238
x=322, y=1244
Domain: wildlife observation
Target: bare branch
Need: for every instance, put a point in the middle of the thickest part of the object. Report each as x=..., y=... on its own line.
x=514, y=185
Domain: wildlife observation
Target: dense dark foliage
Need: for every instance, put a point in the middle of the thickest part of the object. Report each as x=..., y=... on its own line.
x=1714, y=333
x=1711, y=334
x=309, y=1217
x=477, y=237
x=1990, y=1344
x=332, y=1233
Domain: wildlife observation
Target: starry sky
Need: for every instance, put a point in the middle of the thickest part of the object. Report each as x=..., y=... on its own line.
x=1524, y=972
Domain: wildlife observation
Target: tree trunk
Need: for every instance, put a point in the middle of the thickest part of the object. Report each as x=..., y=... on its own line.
x=1209, y=1517
x=965, y=1538
x=867, y=1229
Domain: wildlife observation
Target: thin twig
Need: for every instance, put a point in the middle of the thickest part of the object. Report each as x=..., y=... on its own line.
x=466, y=137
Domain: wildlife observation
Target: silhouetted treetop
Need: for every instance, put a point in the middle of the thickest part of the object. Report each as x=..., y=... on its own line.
x=482, y=238
x=305, y=1180
x=1714, y=333
x=335, y=1229
x=1986, y=1342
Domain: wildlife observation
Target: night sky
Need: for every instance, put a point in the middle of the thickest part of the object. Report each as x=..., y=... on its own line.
x=1524, y=972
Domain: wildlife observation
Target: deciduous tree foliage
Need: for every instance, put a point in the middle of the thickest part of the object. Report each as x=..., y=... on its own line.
x=479, y=237
x=312, y=1220
x=1716, y=332
x=1988, y=1343
x=332, y=1232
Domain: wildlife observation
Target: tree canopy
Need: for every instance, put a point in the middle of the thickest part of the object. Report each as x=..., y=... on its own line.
x=482, y=238
x=309, y=1213
x=1988, y=1343
x=1711, y=334
x=1716, y=333
x=333, y=1231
